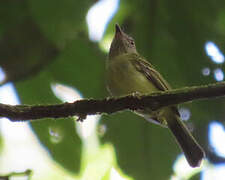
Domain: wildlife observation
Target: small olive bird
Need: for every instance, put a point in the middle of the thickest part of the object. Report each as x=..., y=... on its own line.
x=128, y=72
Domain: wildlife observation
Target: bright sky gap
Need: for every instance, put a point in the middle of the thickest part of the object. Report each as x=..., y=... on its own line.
x=99, y=16
x=216, y=136
x=214, y=52
x=218, y=74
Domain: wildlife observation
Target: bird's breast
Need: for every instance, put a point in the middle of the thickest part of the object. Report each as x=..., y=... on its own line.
x=123, y=79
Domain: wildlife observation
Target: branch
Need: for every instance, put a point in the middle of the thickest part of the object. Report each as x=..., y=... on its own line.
x=135, y=101
x=27, y=173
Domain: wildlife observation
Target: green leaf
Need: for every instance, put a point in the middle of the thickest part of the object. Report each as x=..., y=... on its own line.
x=24, y=48
x=143, y=150
x=60, y=20
x=81, y=65
x=57, y=135
x=78, y=65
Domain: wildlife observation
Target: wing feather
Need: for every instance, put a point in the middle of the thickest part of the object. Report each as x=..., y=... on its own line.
x=150, y=73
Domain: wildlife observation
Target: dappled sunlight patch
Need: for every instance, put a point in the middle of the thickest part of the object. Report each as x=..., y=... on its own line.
x=216, y=172
x=213, y=51
x=205, y=71
x=217, y=137
x=106, y=42
x=66, y=93
x=115, y=174
x=98, y=17
x=56, y=134
x=21, y=149
x=218, y=74
x=182, y=170
x=2, y=75
x=185, y=113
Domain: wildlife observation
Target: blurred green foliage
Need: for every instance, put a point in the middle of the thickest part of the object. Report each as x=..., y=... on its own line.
x=43, y=42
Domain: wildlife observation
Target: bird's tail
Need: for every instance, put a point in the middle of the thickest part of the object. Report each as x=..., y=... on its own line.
x=192, y=150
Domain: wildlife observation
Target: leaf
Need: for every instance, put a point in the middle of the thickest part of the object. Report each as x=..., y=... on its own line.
x=60, y=20
x=143, y=150
x=58, y=136
x=74, y=67
x=24, y=51
x=27, y=56
x=81, y=65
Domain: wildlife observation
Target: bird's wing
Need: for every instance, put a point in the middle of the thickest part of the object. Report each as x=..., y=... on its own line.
x=150, y=73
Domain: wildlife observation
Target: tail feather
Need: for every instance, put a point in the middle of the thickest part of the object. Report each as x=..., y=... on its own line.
x=192, y=150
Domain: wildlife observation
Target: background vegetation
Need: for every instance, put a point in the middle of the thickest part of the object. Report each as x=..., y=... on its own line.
x=46, y=42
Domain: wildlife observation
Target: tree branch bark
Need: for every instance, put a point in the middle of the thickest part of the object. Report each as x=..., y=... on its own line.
x=136, y=101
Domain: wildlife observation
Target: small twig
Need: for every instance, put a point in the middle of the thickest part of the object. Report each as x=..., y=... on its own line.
x=85, y=107
x=8, y=176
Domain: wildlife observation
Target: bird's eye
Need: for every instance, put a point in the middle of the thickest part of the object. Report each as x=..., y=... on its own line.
x=132, y=42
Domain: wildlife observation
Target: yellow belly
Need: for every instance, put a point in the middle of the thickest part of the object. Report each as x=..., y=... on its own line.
x=123, y=79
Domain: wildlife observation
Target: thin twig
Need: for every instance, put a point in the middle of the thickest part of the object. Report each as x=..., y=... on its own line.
x=27, y=173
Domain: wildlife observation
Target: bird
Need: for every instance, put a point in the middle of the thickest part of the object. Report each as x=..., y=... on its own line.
x=128, y=72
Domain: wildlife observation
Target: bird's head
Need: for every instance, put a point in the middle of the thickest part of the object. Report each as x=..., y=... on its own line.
x=121, y=44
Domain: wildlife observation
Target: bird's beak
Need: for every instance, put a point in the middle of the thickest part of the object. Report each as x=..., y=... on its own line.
x=118, y=30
